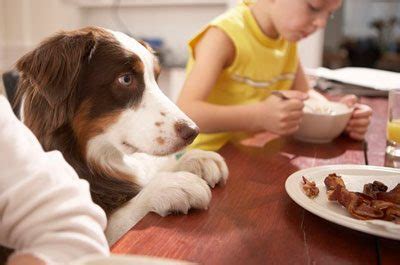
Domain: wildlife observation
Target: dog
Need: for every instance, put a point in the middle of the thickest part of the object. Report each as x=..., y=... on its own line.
x=92, y=94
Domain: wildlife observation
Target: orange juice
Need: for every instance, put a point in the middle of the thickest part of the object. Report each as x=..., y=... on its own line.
x=393, y=131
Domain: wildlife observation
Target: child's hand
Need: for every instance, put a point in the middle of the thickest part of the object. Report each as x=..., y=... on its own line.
x=281, y=116
x=360, y=119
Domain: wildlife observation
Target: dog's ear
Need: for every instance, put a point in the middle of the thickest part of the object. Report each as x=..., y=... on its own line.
x=53, y=67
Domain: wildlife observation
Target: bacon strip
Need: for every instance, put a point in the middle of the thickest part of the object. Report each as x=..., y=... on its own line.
x=310, y=189
x=374, y=203
x=391, y=196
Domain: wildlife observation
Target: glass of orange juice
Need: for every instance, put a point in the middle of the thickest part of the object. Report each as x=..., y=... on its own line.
x=393, y=125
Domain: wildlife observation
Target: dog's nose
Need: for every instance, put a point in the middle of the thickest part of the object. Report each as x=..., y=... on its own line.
x=185, y=131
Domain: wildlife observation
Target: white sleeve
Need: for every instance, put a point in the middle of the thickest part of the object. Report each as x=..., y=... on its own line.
x=45, y=209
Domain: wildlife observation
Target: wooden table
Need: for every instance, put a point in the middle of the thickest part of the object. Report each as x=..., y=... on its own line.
x=253, y=221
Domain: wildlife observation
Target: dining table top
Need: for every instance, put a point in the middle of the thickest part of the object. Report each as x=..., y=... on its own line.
x=252, y=220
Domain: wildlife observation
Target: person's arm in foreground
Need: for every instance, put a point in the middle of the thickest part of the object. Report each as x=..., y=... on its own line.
x=46, y=212
x=214, y=52
x=360, y=119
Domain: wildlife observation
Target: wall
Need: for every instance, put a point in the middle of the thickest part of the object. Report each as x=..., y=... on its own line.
x=27, y=22
x=2, y=39
x=310, y=50
x=2, y=28
x=57, y=15
x=334, y=31
x=356, y=19
x=2, y=22
x=171, y=23
x=2, y=36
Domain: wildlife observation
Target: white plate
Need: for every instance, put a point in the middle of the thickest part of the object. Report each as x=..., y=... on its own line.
x=364, y=77
x=354, y=176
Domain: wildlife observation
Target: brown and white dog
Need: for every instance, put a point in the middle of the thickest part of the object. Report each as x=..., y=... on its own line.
x=92, y=94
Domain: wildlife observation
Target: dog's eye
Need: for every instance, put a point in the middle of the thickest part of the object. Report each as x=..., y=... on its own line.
x=126, y=80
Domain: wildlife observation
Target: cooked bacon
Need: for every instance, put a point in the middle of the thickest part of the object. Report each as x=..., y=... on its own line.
x=391, y=210
x=331, y=182
x=372, y=189
x=375, y=203
x=356, y=205
x=310, y=189
x=390, y=196
x=393, y=214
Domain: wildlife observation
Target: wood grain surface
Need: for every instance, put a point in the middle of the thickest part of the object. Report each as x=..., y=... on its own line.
x=253, y=221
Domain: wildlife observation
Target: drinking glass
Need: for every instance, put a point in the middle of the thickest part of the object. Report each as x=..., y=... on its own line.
x=393, y=125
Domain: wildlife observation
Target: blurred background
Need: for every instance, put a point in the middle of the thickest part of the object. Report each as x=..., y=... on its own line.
x=362, y=33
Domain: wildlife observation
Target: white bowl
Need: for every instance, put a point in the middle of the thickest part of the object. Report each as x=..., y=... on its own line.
x=323, y=122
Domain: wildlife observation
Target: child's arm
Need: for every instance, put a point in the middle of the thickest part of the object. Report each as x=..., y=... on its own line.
x=46, y=211
x=360, y=119
x=214, y=52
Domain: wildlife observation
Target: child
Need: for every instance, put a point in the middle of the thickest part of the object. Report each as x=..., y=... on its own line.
x=46, y=213
x=244, y=55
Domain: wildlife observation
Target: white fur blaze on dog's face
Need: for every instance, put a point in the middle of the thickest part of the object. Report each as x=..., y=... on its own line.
x=155, y=125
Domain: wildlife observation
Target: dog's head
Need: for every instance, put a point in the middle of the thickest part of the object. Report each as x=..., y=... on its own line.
x=102, y=84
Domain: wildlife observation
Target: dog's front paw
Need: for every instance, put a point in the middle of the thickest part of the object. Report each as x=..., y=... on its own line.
x=177, y=192
x=208, y=165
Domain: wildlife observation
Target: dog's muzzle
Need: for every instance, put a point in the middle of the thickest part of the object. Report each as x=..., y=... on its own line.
x=186, y=131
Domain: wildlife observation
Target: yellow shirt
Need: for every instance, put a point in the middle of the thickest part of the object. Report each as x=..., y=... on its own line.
x=261, y=65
